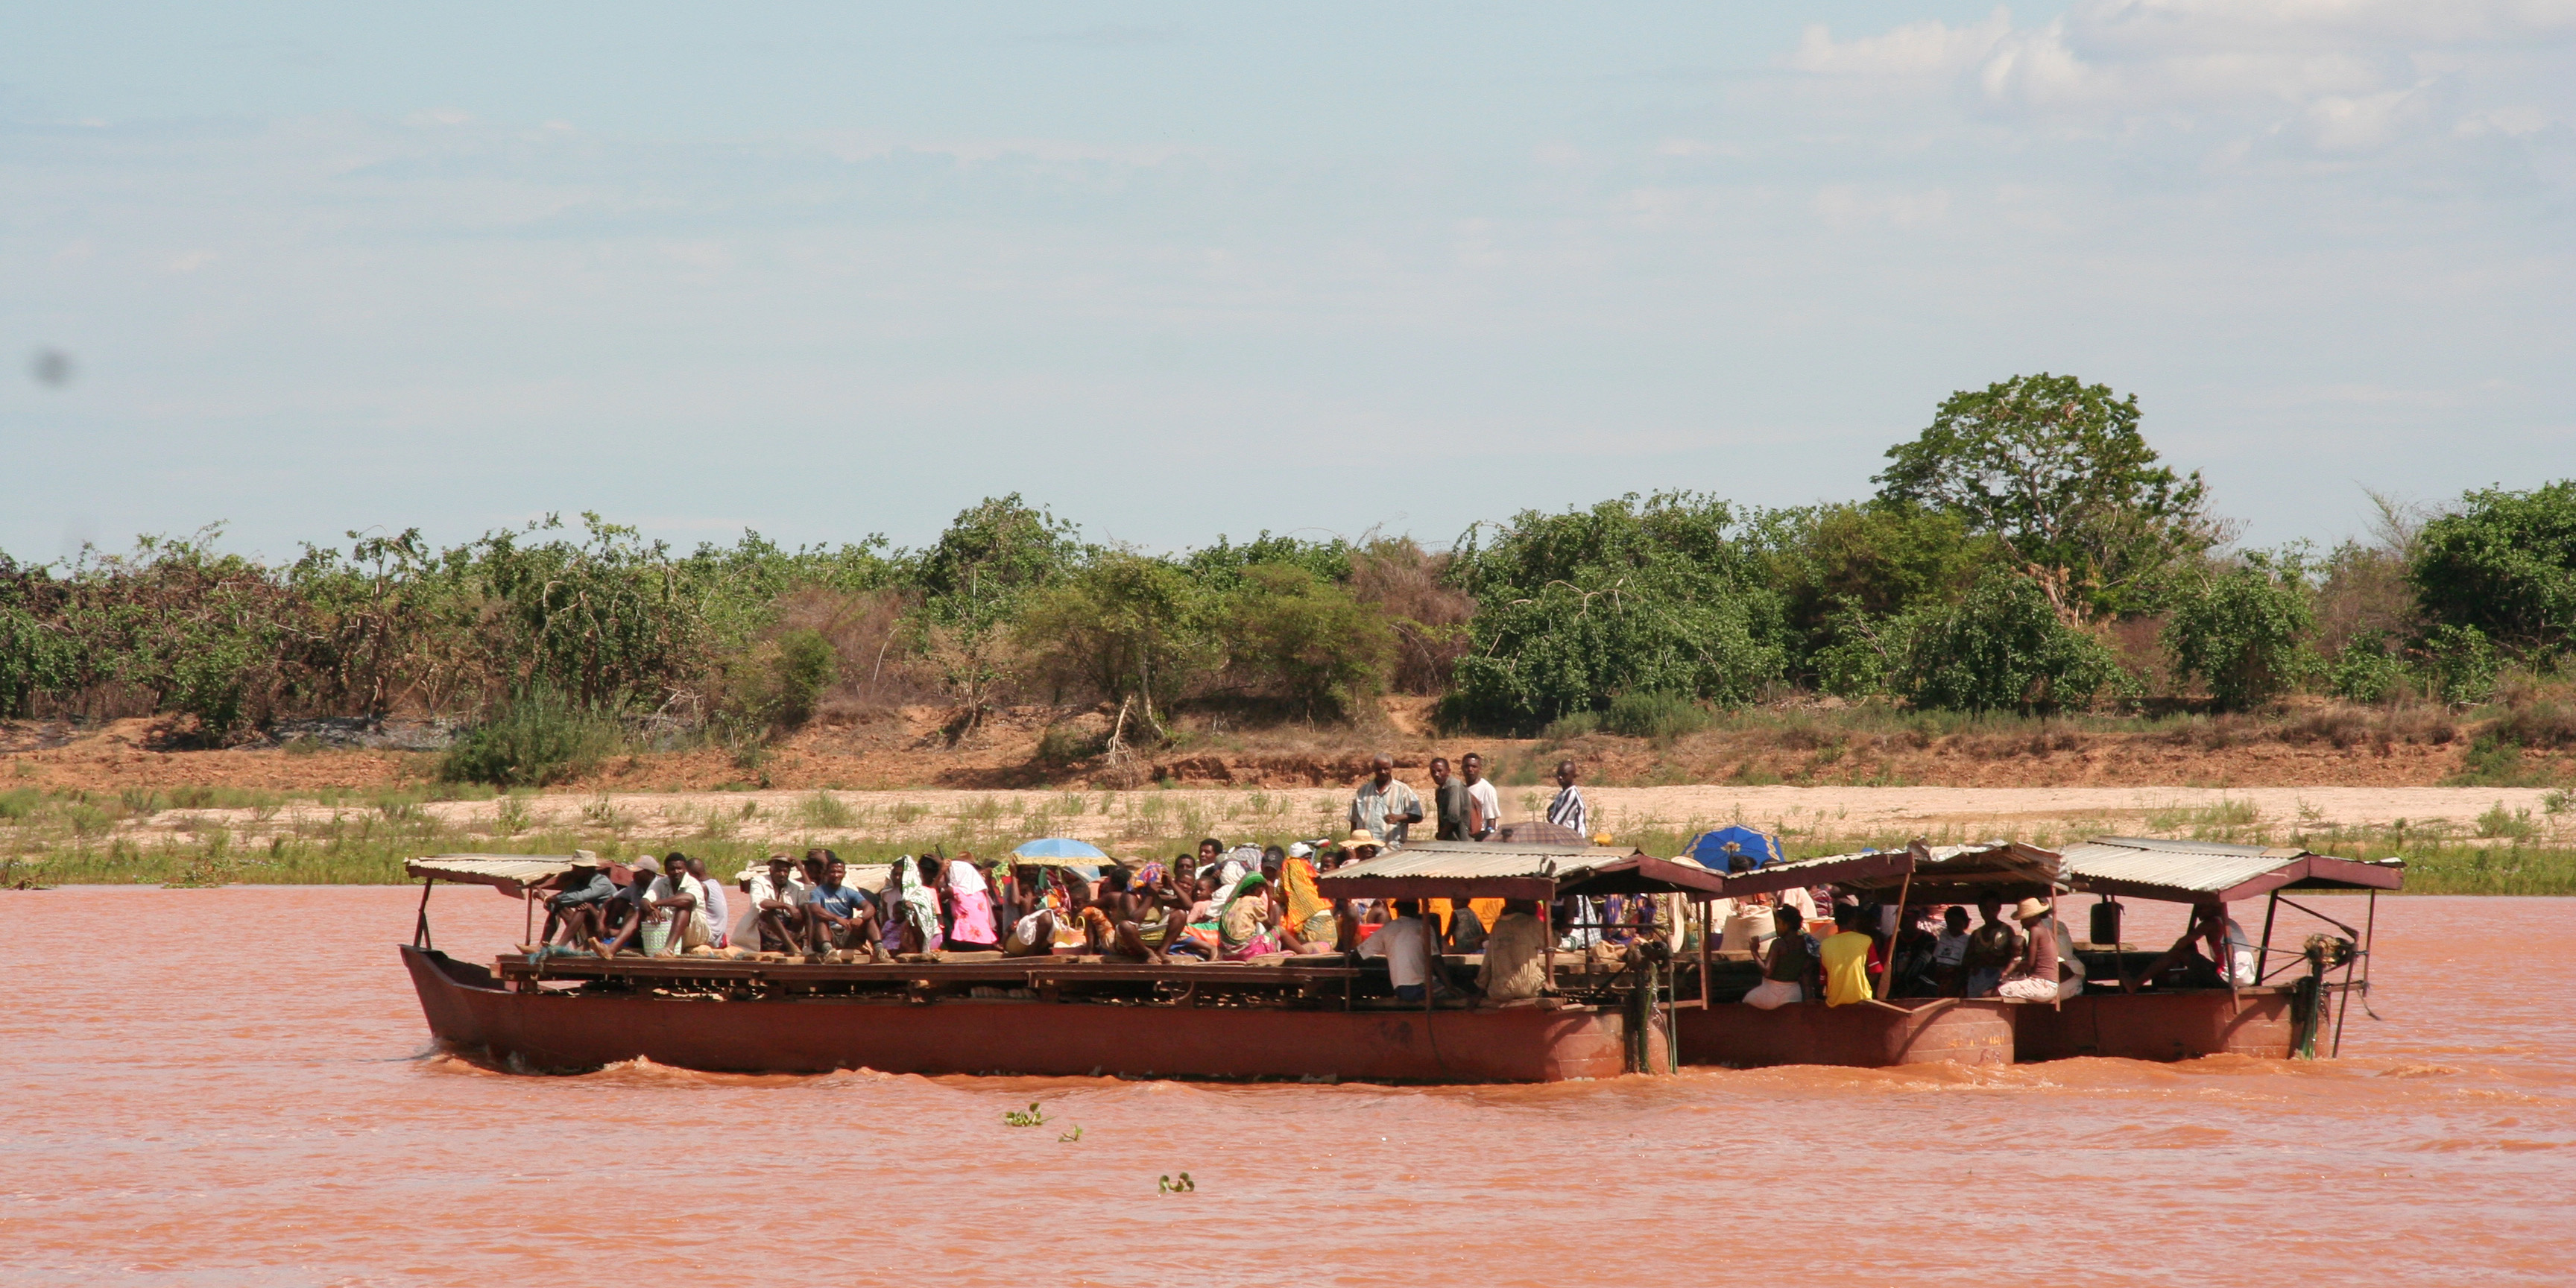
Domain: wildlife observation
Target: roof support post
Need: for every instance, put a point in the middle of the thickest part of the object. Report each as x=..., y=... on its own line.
x=420, y=931
x=1887, y=969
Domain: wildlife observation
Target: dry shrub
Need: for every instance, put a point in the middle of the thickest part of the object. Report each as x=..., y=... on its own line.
x=2341, y=724
x=1407, y=584
x=2537, y=713
x=879, y=667
x=2419, y=723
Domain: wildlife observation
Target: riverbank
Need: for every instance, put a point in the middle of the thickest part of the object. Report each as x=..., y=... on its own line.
x=2456, y=840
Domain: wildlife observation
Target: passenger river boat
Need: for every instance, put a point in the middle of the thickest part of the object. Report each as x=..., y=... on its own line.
x=1322, y=1018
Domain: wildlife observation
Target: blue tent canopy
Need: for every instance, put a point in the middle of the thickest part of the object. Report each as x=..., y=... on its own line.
x=1709, y=849
x=1059, y=847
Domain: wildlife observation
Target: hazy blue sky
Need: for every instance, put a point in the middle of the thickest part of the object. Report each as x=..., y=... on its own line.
x=1178, y=270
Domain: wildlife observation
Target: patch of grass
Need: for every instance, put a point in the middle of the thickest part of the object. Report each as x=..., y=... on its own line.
x=2501, y=822
x=823, y=810
x=1660, y=716
x=2495, y=761
x=538, y=739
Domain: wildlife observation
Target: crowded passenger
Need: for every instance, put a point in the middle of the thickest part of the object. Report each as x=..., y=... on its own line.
x=1789, y=968
x=1845, y=957
x=1405, y=943
x=1950, y=954
x=774, y=921
x=840, y=918
x=573, y=911
x=1515, y=954
x=2047, y=969
x=1992, y=946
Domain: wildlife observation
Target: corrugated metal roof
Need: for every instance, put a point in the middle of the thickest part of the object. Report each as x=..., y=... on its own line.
x=491, y=869
x=1472, y=859
x=1982, y=866
x=2200, y=867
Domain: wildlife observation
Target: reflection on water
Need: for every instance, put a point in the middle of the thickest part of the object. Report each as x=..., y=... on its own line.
x=232, y=1087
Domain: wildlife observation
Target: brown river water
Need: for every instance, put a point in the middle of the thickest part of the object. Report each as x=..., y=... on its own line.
x=233, y=1087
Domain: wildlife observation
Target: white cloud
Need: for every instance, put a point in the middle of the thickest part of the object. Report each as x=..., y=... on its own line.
x=1928, y=48
x=2338, y=77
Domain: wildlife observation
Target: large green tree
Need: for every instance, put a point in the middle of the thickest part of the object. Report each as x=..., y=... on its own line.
x=2056, y=470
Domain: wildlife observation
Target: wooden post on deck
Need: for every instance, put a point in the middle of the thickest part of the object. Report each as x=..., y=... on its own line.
x=1703, y=954
x=2263, y=952
x=1547, y=942
x=1887, y=969
x=528, y=896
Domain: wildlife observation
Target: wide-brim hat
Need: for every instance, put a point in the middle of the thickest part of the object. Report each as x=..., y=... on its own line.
x=1362, y=836
x=586, y=859
x=2029, y=910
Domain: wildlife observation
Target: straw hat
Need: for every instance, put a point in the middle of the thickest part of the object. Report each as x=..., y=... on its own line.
x=586, y=859
x=1361, y=836
x=2029, y=910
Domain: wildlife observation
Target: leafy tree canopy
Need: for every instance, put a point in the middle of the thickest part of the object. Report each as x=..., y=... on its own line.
x=2504, y=565
x=2056, y=470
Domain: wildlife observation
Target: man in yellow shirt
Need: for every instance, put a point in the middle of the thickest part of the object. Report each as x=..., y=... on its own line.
x=1845, y=957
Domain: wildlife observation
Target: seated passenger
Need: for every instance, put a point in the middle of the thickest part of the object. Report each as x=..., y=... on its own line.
x=1515, y=965
x=1950, y=954
x=911, y=906
x=1467, y=933
x=970, y=905
x=1405, y=943
x=678, y=901
x=581, y=894
x=1788, y=973
x=775, y=920
x=1307, y=924
x=716, y=909
x=2188, y=967
x=840, y=917
x=1991, y=947
x=623, y=920
x=1844, y=957
x=1243, y=923
x=2047, y=970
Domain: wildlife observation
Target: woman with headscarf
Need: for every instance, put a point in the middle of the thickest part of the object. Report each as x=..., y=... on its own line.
x=1309, y=924
x=1243, y=924
x=970, y=906
x=912, y=907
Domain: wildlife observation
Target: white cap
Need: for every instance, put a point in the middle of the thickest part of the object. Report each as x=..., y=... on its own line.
x=1301, y=850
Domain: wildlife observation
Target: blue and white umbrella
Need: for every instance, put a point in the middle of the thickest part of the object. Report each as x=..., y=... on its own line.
x=1062, y=850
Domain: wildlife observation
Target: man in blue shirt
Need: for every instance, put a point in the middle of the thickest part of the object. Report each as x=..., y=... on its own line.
x=839, y=916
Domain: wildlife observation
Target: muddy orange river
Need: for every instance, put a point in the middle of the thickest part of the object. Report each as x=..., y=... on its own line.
x=233, y=1087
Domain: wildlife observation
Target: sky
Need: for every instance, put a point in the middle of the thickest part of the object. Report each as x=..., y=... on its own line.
x=1177, y=271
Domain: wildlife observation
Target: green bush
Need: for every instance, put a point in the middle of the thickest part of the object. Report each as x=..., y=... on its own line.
x=2239, y=629
x=2503, y=566
x=1632, y=595
x=2003, y=648
x=2461, y=663
x=1292, y=634
x=2365, y=671
x=1654, y=715
x=538, y=739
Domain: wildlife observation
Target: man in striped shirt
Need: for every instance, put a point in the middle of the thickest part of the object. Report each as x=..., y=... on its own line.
x=1568, y=810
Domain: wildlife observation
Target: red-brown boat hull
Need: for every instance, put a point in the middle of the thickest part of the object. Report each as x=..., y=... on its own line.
x=562, y=1032
x=1737, y=1036
x=2158, y=1026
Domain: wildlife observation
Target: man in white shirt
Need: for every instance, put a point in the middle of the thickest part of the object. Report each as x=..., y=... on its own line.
x=1485, y=805
x=677, y=920
x=1405, y=943
x=775, y=920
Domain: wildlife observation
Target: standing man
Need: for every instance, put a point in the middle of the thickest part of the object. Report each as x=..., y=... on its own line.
x=1568, y=810
x=1450, y=802
x=1385, y=806
x=1485, y=805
